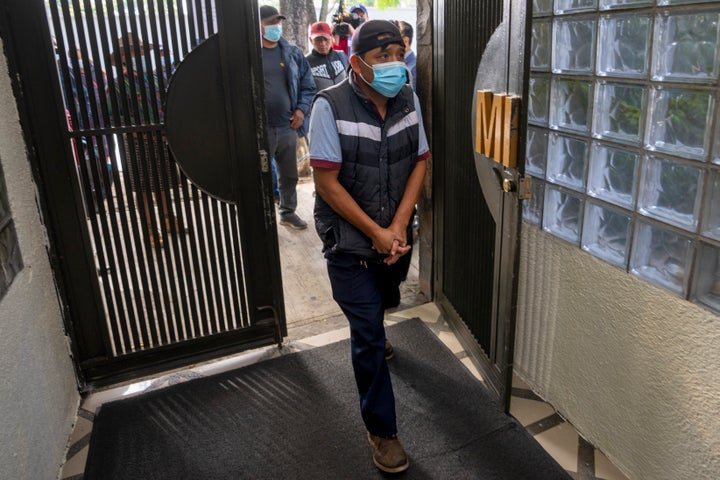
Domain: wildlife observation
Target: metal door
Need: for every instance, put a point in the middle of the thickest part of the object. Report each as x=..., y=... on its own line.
x=480, y=48
x=153, y=271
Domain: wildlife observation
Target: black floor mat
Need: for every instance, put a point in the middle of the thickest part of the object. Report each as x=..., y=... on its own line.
x=297, y=417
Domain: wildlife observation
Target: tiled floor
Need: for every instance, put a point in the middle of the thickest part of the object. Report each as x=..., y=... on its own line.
x=558, y=437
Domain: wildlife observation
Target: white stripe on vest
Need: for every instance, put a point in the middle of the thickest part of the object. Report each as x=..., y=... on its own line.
x=407, y=121
x=363, y=130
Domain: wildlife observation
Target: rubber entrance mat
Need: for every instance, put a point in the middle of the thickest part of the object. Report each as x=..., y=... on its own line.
x=297, y=417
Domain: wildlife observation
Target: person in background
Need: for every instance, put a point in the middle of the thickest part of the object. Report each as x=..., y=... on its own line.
x=368, y=150
x=289, y=90
x=327, y=65
x=150, y=171
x=344, y=30
x=406, y=30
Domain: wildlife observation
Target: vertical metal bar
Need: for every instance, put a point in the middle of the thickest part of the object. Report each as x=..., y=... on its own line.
x=232, y=270
x=104, y=143
x=127, y=256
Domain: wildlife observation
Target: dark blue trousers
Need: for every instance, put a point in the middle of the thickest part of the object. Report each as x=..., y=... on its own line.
x=363, y=290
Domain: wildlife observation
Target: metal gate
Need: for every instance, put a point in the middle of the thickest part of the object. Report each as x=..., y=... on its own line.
x=154, y=271
x=476, y=229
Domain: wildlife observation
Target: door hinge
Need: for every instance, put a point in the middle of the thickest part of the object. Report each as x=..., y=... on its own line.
x=524, y=188
x=264, y=163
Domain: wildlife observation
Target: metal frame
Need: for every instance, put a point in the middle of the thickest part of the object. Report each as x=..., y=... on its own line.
x=61, y=192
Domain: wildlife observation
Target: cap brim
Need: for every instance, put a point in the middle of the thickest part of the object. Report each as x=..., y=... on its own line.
x=326, y=35
x=273, y=17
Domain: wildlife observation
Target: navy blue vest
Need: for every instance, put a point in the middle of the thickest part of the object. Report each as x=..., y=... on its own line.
x=377, y=160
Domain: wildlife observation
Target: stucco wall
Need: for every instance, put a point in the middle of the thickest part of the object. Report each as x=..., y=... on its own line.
x=38, y=394
x=633, y=367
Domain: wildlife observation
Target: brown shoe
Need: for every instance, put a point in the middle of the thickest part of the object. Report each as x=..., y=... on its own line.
x=389, y=350
x=388, y=454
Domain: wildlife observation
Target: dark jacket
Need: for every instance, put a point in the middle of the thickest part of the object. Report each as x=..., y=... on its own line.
x=301, y=84
x=377, y=160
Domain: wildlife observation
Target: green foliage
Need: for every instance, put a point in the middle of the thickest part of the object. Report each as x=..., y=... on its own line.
x=687, y=119
x=383, y=4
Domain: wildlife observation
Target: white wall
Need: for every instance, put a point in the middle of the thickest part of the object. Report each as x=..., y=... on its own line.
x=38, y=393
x=633, y=367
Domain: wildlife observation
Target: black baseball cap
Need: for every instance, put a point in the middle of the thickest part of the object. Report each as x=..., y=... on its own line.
x=374, y=34
x=269, y=13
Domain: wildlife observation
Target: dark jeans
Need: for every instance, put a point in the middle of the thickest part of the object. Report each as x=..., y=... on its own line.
x=363, y=290
x=283, y=144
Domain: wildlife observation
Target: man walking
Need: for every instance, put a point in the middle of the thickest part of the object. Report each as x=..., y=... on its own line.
x=327, y=65
x=289, y=90
x=368, y=149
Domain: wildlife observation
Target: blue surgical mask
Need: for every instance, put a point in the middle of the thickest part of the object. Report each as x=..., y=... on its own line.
x=388, y=78
x=273, y=32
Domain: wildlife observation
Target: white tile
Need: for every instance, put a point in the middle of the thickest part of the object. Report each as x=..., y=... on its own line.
x=81, y=428
x=529, y=411
x=75, y=465
x=604, y=468
x=450, y=341
x=328, y=337
x=473, y=369
x=561, y=442
x=427, y=312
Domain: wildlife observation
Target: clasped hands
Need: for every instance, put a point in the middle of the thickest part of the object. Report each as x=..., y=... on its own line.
x=393, y=243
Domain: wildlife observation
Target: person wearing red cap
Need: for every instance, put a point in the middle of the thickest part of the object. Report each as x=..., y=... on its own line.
x=368, y=150
x=327, y=65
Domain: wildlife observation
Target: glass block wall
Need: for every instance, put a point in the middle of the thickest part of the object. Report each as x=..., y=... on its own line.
x=623, y=143
x=10, y=259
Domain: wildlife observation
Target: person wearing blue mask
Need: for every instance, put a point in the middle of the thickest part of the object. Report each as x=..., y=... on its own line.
x=368, y=151
x=289, y=90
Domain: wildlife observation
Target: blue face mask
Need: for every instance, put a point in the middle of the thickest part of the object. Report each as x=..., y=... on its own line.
x=273, y=32
x=388, y=78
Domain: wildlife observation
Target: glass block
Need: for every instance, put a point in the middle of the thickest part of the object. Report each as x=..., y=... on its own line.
x=542, y=7
x=536, y=152
x=679, y=122
x=681, y=2
x=619, y=112
x=710, y=226
x=671, y=191
x=606, y=234
x=686, y=46
x=623, y=45
x=540, y=45
x=661, y=256
x=570, y=6
x=706, y=286
x=533, y=207
x=612, y=175
x=609, y=4
x=562, y=214
x=570, y=105
x=573, y=45
x=539, y=99
x=567, y=161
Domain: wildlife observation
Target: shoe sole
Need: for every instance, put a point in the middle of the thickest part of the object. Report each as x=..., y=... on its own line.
x=294, y=227
x=387, y=469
